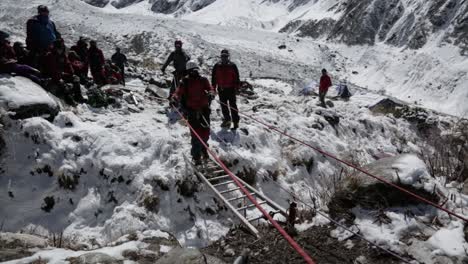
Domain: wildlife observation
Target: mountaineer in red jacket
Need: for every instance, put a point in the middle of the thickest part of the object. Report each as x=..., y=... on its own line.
x=57, y=66
x=325, y=83
x=198, y=93
x=225, y=79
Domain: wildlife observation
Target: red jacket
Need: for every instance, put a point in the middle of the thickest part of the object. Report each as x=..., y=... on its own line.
x=57, y=66
x=325, y=83
x=195, y=91
x=7, y=56
x=225, y=75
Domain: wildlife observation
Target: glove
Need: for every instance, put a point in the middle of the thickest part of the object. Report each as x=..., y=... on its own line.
x=173, y=102
x=211, y=96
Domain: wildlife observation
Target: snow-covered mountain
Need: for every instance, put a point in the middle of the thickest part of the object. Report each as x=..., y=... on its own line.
x=402, y=23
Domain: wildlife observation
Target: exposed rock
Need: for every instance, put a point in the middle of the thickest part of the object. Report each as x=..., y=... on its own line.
x=16, y=246
x=188, y=256
x=124, y=3
x=187, y=187
x=24, y=99
x=370, y=193
x=98, y=3
x=12, y=240
x=386, y=106
x=94, y=258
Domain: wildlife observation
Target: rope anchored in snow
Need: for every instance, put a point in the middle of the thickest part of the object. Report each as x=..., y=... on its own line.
x=349, y=164
x=286, y=236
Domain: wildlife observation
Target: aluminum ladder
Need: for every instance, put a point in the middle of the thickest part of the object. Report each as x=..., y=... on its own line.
x=212, y=174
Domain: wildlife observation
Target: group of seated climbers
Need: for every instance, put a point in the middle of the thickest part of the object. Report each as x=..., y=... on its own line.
x=48, y=62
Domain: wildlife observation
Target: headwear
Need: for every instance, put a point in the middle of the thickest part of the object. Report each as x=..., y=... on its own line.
x=225, y=53
x=191, y=65
x=42, y=8
x=4, y=35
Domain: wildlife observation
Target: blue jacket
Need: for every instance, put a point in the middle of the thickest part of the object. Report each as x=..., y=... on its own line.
x=41, y=33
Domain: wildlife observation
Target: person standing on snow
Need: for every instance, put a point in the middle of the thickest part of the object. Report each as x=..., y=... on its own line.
x=225, y=79
x=96, y=63
x=325, y=83
x=120, y=60
x=179, y=59
x=198, y=94
x=41, y=32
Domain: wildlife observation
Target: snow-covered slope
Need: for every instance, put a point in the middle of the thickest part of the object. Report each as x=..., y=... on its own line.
x=402, y=23
x=117, y=170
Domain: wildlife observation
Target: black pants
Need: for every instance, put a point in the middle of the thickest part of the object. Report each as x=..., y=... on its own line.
x=227, y=96
x=322, y=97
x=200, y=122
x=122, y=71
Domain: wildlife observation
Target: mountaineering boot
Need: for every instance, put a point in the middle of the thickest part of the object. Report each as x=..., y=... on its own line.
x=236, y=126
x=197, y=161
x=226, y=124
x=205, y=154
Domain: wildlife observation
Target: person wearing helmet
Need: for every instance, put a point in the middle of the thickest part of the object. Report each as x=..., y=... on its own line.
x=179, y=58
x=198, y=94
x=41, y=32
x=225, y=79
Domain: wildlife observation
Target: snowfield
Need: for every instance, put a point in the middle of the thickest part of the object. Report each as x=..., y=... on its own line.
x=99, y=174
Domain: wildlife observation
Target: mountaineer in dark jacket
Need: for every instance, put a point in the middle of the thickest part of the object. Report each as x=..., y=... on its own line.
x=96, y=63
x=179, y=59
x=225, y=79
x=41, y=32
x=120, y=60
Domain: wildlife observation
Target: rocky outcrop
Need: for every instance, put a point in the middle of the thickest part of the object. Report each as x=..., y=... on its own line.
x=179, y=6
x=15, y=245
x=22, y=98
x=94, y=258
x=188, y=256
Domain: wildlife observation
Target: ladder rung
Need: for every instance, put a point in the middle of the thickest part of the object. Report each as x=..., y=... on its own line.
x=218, y=171
x=262, y=217
x=238, y=198
x=224, y=183
x=250, y=206
x=256, y=218
x=230, y=190
x=218, y=177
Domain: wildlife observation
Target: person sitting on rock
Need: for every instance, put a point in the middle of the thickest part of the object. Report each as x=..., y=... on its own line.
x=59, y=68
x=22, y=54
x=10, y=65
x=112, y=74
x=78, y=66
x=198, y=93
x=82, y=50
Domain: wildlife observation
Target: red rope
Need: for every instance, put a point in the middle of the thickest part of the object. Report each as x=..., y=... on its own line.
x=251, y=198
x=273, y=128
